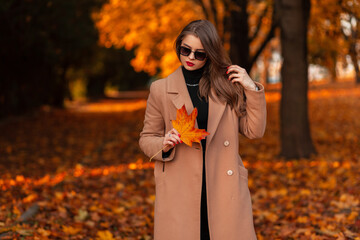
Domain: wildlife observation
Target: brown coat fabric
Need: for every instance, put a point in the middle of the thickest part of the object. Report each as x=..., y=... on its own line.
x=178, y=178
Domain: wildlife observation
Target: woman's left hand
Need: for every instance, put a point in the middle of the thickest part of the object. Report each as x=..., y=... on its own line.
x=239, y=74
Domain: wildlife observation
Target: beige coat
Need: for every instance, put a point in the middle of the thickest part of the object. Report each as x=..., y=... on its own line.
x=178, y=178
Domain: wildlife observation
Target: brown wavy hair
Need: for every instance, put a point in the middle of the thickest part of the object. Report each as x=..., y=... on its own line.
x=217, y=61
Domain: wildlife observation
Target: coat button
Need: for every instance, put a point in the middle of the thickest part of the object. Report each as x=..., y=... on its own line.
x=226, y=143
x=230, y=172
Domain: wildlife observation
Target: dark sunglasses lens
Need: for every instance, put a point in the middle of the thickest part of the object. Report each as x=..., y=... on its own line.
x=200, y=56
x=185, y=51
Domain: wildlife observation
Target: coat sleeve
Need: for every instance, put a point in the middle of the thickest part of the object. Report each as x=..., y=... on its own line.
x=252, y=124
x=152, y=135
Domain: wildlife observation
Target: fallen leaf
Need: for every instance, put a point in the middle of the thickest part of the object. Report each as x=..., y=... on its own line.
x=82, y=215
x=43, y=232
x=105, y=235
x=71, y=230
x=24, y=232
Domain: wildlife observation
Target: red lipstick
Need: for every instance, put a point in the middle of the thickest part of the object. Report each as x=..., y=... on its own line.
x=190, y=64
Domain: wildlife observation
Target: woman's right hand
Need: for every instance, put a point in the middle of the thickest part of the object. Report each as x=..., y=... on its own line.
x=171, y=138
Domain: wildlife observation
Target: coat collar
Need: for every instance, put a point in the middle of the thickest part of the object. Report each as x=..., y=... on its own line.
x=178, y=91
x=179, y=95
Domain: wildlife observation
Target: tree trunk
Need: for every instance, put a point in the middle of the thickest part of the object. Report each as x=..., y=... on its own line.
x=357, y=71
x=295, y=130
x=234, y=30
x=332, y=69
x=353, y=55
x=239, y=40
x=61, y=88
x=356, y=66
x=95, y=87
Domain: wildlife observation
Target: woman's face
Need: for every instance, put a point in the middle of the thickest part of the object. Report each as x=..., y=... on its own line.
x=189, y=62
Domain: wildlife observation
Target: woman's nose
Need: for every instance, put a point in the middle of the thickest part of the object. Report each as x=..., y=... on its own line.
x=192, y=56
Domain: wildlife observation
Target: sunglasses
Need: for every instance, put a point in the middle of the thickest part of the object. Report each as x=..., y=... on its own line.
x=198, y=55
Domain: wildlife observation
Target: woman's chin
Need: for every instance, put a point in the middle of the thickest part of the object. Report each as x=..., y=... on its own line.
x=191, y=68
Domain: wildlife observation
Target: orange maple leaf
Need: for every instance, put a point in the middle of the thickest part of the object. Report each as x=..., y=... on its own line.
x=185, y=125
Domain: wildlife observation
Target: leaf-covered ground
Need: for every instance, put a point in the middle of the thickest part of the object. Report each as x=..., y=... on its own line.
x=79, y=173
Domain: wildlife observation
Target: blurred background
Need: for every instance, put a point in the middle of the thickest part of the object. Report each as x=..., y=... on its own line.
x=74, y=78
x=65, y=50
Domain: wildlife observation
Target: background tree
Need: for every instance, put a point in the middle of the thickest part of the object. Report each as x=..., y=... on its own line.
x=41, y=41
x=350, y=18
x=244, y=25
x=333, y=34
x=111, y=67
x=149, y=27
x=48, y=44
x=153, y=29
x=326, y=43
x=293, y=18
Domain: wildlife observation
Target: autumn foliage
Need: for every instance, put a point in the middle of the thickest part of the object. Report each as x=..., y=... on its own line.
x=79, y=173
x=148, y=26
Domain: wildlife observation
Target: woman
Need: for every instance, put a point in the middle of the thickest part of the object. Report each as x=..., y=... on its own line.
x=202, y=191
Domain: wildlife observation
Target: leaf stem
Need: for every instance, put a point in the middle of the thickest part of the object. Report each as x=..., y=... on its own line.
x=157, y=153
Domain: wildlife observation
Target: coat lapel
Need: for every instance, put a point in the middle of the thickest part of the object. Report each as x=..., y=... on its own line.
x=216, y=110
x=179, y=96
x=178, y=92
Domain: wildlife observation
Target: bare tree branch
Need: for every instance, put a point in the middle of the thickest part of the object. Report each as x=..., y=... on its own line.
x=269, y=36
x=349, y=11
x=260, y=23
x=201, y=3
x=214, y=12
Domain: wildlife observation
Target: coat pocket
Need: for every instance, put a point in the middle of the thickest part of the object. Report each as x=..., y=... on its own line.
x=159, y=172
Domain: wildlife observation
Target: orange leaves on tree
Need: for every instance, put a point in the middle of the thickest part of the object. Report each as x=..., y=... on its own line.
x=131, y=24
x=185, y=125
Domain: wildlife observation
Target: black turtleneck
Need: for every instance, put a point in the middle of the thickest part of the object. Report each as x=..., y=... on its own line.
x=192, y=79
